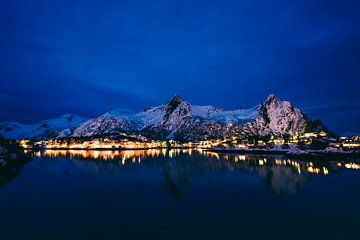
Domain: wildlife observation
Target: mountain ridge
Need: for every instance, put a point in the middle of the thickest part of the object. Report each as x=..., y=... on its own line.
x=178, y=119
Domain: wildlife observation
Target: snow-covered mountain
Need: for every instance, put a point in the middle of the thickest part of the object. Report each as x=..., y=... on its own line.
x=178, y=119
x=281, y=117
x=42, y=130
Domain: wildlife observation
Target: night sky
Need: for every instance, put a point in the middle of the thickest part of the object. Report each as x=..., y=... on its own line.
x=84, y=57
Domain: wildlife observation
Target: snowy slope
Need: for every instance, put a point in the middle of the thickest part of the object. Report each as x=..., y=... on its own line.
x=112, y=121
x=236, y=116
x=42, y=130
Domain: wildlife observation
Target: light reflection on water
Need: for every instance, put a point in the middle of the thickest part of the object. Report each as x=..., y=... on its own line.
x=178, y=166
x=137, y=156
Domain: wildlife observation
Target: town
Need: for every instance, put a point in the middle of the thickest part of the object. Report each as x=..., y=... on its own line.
x=317, y=141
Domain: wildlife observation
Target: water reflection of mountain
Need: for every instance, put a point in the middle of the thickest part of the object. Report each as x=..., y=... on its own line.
x=179, y=167
x=280, y=180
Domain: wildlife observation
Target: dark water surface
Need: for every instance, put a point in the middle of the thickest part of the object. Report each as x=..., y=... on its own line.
x=178, y=194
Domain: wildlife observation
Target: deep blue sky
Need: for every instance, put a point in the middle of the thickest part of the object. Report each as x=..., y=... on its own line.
x=83, y=57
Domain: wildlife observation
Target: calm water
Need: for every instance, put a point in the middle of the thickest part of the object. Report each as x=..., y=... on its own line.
x=178, y=194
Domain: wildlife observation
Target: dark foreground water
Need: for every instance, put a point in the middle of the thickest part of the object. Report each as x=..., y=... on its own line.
x=178, y=195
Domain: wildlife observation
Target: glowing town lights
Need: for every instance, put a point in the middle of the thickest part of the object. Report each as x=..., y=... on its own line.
x=311, y=134
x=241, y=146
x=351, y=145
x=352, y=165
x=322, y=134
x=261, y=162
x=278, y=141
x=24, y=143
x=102, y=144
x=230, y=143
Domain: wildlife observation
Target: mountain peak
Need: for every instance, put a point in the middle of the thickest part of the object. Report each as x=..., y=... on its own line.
x=174, y=102
x=176, y=99
x=271, y=97
x=176, y=108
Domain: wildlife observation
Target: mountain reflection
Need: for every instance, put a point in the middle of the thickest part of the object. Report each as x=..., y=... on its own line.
x=179, y=166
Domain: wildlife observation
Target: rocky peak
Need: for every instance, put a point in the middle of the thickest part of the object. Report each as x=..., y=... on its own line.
x=281, y=117
x=271, y=99
x=175, y=110
x=272, y=103
x=174, y=101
